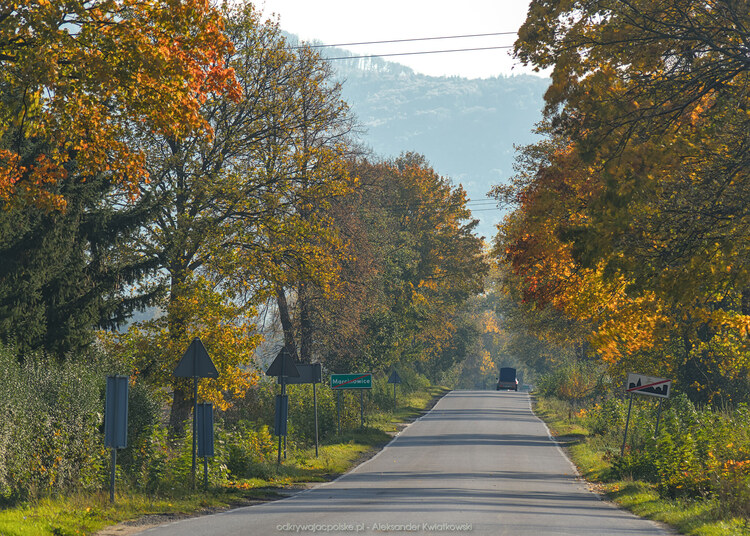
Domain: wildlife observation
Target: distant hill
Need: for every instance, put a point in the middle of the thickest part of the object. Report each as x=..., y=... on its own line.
x=465, y=128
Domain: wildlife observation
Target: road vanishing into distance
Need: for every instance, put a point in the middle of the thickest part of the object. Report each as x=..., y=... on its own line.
x=478, y=463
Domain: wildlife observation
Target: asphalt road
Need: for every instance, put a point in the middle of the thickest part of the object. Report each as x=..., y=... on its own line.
x=479, y=463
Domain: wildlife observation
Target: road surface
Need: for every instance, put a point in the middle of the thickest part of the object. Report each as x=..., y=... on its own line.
x=479, y=463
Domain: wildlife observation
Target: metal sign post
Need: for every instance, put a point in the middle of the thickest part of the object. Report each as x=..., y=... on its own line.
x=205, y=426
x=115, y=422
x=195, y=363
x=362, y=381
x=395, y=379
x=309, y=374
x=647, y=386
x=658, y=419
x=362, y=408
x=627, y=423
x=338, y=411
x=284, y=368
x=315, y=407
x=280, y=421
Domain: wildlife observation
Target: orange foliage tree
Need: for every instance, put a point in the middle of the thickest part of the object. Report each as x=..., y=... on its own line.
x=78, y=74
x=629, y=217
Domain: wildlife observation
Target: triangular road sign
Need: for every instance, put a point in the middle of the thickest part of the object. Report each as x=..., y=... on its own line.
x=196, y=363
x=394, y=377
x=283, y=365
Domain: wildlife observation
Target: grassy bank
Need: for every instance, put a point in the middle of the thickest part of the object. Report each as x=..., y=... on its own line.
x=705, y=515
x=88, y=513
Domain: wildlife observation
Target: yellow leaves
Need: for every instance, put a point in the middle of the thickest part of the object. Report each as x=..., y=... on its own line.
x=197, y=309
x=94, y=85
x=487, y=366
x=698, y=113
x=489, y=323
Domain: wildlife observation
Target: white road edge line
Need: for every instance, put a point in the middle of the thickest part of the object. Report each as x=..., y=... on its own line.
x=318, y=486
x=661, y=526
x=552, y=438
x=324, y=484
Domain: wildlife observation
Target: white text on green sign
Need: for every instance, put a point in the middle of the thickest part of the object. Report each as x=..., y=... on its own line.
x=351, y=381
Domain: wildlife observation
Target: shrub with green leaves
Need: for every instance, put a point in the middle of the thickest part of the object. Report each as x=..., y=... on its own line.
x=698, y=452
x=248, y=447
x=50, y=439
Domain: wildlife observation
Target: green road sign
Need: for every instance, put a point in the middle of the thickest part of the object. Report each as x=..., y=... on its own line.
x=351, y=381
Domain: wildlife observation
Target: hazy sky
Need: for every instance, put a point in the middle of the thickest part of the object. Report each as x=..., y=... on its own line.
x=348, y=21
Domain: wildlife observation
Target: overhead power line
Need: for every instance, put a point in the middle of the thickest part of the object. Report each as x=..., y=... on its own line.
x=408, y=40
x=416, y=53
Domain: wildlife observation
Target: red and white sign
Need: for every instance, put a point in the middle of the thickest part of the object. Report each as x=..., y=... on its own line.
x=648, y=385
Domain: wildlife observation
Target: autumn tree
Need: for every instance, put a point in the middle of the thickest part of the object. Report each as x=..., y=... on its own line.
x=74, y=77
x=652, y=96
x=236, y=212
x=631, y=219
x=200, y=187
x=423, y=262
x=300, y=251
x=77, y=74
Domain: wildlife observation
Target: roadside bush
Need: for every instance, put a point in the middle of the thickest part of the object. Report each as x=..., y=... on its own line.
x=302, y=412
x=49, y=439
x=576, y=382
x=733, y=487
x=143, y=462
x=52, y=440
x=259, y=406
x=698, y=453
x=148, y=460
x=248, y=447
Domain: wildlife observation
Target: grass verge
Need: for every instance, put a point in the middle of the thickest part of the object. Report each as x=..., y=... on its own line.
x=84, y=514
x=695, y=517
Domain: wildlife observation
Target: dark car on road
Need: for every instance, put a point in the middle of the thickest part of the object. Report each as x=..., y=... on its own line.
x=507, y=379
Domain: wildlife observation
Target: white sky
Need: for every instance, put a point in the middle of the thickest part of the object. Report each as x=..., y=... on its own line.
x=348, y=21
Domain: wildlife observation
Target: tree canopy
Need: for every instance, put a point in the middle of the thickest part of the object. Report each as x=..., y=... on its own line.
x=78, y=74
x=631, y=215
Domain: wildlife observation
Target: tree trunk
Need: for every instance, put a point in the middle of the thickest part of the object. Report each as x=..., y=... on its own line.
x=182, y=404
x=182, y=388
x=286, y=321
x=305, y=325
